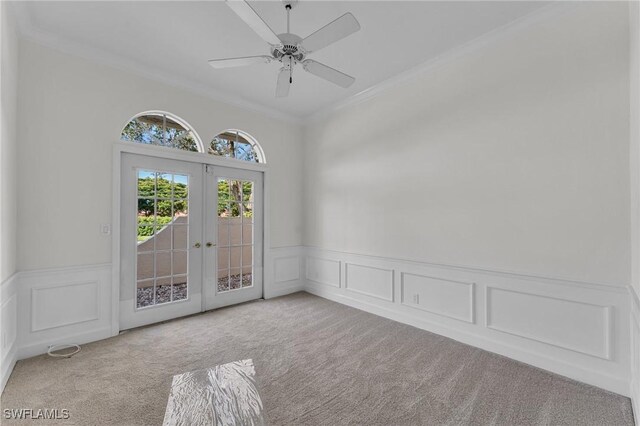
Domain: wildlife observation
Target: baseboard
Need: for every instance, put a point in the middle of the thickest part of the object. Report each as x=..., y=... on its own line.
x=41, y=347
x=578, y=330
x=8, y=328
x=283, y=291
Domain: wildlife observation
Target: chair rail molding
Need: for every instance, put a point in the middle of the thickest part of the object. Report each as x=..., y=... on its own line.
x=576, y=329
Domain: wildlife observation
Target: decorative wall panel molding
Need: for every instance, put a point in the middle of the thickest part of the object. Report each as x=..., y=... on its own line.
x=577, y=326
x=579, y=330
x=287, y=269
x=63, y=305
x=283, y=271
x=369, y=281
x=323, y=271
x=576, y=329
x=73, y=305
x=453, y=299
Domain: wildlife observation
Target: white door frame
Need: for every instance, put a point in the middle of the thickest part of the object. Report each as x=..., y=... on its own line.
x=195, y=157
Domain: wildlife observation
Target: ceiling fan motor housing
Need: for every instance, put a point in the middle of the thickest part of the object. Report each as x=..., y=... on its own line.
x=290, y=47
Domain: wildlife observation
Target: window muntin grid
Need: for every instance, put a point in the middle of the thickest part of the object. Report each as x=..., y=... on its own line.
x=235, y=234
x=161, y=129
x=163, y=237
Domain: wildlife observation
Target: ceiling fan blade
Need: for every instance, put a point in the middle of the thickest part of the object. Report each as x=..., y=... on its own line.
x=282, y=88
x=239, y=62
x=328, y=73
x=251, y=18
x=340, y=28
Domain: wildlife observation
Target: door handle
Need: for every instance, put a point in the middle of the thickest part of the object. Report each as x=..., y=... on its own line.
x=210, y=244
x=197, y=245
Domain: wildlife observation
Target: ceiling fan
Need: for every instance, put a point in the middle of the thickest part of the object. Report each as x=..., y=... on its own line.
x=290, y=49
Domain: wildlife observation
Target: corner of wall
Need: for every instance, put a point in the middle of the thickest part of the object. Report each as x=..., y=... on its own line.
x=283, y=271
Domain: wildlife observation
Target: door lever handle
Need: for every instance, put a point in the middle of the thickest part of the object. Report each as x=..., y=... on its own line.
x=210, y=244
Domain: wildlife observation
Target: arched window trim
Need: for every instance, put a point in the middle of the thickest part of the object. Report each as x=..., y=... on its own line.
x=254, y=144
x=173, y=117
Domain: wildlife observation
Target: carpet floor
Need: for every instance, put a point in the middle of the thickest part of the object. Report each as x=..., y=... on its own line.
x=317, y=363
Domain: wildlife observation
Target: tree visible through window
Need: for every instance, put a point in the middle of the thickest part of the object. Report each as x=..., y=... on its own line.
x=161, y=130
x=236, y=144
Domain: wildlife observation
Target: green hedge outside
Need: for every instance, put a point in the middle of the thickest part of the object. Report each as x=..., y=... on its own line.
x=146, y=225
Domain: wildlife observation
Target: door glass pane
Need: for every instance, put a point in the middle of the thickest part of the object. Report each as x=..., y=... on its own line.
x=235, y=234
x=162, y=240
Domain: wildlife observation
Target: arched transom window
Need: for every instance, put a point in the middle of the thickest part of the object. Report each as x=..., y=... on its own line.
x=236, y=144
x=161, y=129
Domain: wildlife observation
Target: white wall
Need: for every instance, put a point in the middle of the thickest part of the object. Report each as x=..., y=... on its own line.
x=634, y=139
x=512, y=157
x=70, y=113
x=9, y=190
x=9, y=147
x=508, y=161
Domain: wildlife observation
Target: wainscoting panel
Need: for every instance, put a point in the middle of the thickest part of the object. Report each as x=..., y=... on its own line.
x=453, y=299
x=577, y=326
x=56, y=306
x=283, y=271
x=323, y=271
x=579, y=330
x=65, y=305
x=369, y=281
x=8, y=327
x=287, y=269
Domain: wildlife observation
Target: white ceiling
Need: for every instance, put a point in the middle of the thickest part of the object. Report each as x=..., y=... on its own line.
x=176, y=38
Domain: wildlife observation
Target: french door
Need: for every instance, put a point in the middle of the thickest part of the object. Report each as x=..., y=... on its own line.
x=191, y=238
x=233, y=267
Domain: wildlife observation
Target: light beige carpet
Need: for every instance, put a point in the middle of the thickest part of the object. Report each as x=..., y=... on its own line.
x=317, y=362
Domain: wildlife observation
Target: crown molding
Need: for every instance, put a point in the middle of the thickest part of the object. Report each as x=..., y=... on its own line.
x=65, y=45
x=539, y=15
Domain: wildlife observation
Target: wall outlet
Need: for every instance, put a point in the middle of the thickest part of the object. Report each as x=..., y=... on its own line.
x=416, y=298
x=105, y=229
